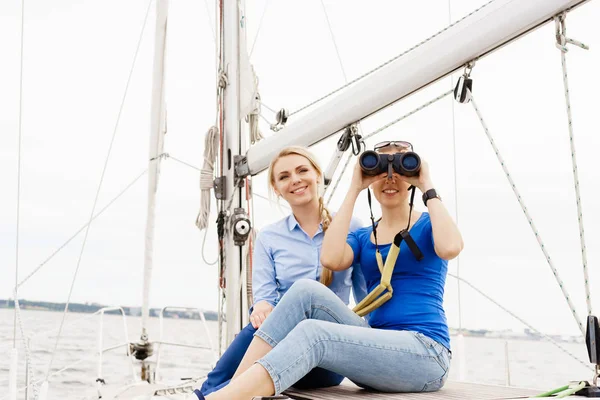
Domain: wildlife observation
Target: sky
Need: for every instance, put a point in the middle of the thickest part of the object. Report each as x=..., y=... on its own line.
x=76, y=61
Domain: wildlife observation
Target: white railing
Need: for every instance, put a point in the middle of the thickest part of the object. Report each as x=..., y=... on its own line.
x=101, y=350
x=161, y=340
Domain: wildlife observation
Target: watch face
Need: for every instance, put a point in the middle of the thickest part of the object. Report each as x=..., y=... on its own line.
x=430, y=194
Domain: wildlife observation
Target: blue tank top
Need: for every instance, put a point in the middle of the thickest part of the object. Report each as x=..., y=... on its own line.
x=417, y=301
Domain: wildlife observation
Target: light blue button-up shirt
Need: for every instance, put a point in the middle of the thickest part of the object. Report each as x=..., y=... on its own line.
x=284, y=253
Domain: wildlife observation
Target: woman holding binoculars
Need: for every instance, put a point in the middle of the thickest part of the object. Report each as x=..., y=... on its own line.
x=405, y=346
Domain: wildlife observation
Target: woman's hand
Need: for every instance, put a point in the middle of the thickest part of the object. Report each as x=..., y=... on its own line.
x=422, y=181
x=361, y=181
x=261, y=311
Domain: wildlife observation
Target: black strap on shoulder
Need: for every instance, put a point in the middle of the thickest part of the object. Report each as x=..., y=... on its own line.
x=410, y=242
x=412, y=245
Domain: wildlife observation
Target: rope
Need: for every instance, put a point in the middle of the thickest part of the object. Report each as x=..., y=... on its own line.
x=255, y=134
x=529, y=219
x=562, y=40
x=266, y=106
x=80, y=229
x=521, y=320
x=98, y=190
x=390, y=61
x=206, y=176
x=202, y=252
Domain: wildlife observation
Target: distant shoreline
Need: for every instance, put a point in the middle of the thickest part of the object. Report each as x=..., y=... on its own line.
x=91, y=308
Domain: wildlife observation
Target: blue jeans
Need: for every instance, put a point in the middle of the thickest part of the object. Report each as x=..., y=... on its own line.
x=311, y=327
x=230, y=360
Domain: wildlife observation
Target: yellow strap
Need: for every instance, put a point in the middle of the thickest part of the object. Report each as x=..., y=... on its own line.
x=371, y=297
x=379, y=261
x=377, y=303
x=372, y=300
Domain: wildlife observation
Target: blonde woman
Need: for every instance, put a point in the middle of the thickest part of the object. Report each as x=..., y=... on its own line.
x=284, y=252
x=404, y=346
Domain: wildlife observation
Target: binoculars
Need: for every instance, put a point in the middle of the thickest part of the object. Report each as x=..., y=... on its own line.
x=373, y=163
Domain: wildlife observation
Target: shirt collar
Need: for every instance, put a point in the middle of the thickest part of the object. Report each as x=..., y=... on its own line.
x=292, y=223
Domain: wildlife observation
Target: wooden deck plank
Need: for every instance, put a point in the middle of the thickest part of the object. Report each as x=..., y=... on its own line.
x=452, y=390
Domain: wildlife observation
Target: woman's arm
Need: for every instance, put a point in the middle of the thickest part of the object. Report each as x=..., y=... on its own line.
x=264, y=283
x=447, y=240
x=336, y=254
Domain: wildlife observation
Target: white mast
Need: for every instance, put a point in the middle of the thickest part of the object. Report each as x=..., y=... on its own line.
x=157, y=131
x=485, y=30
x=231, y=147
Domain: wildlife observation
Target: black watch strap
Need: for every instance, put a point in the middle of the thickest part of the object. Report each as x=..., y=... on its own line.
x=430, y=194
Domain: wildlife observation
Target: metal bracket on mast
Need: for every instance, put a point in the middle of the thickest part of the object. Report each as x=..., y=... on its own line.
x=281, y=118
x=464, y=86
x=219, y=187
x=349, y=137
x=241, y=226
x=241, y=167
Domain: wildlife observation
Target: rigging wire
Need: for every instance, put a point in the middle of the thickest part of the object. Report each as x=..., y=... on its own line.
x=454, y=162
x=99, y=188
x=388, y=61
x=81, y=229
x=337, y=50
x=528, y=216
x=424, y=105
x=358, y=124
x=554, y=342
x=562, y=41
x=377, y=131
x=19, y=168
x=210, y=22
x=259, y=26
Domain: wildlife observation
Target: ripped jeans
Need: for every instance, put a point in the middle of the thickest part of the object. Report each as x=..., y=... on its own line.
x=311, y=327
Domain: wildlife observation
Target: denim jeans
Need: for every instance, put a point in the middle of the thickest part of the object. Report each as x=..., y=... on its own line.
x=230, y=360
x=311, y=327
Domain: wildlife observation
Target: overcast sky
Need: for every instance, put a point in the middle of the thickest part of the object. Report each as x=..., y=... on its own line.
x=77, y=57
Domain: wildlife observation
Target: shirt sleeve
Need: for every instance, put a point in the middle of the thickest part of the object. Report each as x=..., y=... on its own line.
x=354, y=243
x=355, y=224
x=264, y=282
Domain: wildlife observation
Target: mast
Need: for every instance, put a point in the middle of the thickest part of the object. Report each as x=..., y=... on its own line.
x=485, y=30
x=231, y=146
x=157, y=131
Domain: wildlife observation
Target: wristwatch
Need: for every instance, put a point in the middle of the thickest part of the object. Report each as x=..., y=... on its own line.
x=430, y=194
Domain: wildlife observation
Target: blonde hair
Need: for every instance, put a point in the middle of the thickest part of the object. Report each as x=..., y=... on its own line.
x=326, y=273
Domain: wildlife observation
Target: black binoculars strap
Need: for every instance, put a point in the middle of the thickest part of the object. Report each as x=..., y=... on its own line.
x=412, y=245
